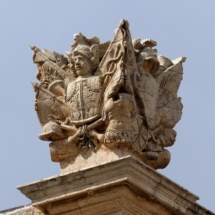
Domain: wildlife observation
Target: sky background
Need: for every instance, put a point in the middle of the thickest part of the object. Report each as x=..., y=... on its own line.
x=181, y=28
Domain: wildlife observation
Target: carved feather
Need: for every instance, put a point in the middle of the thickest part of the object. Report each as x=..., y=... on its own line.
x=80, y=39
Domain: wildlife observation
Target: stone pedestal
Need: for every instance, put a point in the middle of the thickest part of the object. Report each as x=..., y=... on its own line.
x=124, y=186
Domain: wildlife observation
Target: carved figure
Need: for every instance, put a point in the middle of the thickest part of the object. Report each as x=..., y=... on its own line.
x=117, y=94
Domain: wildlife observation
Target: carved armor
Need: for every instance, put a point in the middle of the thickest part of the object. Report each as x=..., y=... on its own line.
x=84, y=98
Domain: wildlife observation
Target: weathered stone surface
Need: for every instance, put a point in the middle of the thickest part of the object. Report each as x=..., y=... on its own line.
x=23, y=210
x=125, y=186
x=105, y=155
x=112, y=94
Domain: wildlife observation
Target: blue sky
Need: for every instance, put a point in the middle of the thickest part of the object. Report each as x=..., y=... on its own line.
x=181, y=28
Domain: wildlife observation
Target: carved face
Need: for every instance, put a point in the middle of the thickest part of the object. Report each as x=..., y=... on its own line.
x=82, y=66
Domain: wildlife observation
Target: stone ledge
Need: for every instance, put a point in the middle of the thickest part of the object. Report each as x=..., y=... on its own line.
x=22, y=210
x=126, y=173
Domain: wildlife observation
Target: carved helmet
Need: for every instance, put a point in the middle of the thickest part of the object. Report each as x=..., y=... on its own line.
x=90, y=53
x=51, y=131
x=149, y=58
x=146, y=54
x=90, y=48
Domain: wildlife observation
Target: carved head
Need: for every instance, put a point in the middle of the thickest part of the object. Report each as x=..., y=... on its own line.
x=82, y=66
x=84, y=58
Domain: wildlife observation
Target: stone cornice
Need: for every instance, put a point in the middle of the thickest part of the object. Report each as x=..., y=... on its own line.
x=126, y=171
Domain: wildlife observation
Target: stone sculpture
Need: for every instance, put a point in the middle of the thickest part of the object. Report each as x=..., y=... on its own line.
x=115, y=95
